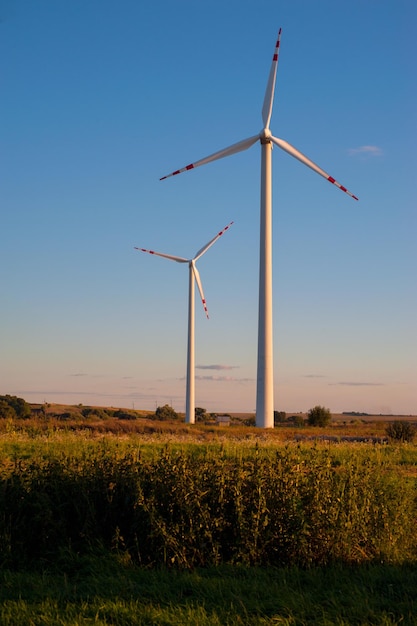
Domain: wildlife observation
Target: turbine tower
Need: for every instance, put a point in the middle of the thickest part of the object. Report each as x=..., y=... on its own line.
x=194, y=275
x=265, y=377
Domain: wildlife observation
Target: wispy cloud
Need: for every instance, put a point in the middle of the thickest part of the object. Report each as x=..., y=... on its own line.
x=217, y=367
x=224, y=379
x=314, y=376
x=371, y=151
x=355, y=384
x=82, y=374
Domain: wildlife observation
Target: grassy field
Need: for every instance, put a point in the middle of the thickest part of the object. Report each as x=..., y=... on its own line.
x=131, y=521
x=49, y=417
x=103, y=590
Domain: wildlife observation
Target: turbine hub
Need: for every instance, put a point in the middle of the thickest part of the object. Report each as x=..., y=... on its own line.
x=265, y=135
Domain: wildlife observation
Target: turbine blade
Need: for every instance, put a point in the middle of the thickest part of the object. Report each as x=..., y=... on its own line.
x=200, y=286
x=236, y=147
x=270, y=87
x=210, y=243
x=284, y=145
x=178, y=259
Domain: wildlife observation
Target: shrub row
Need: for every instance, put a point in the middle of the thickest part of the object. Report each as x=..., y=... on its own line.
x=188, y=509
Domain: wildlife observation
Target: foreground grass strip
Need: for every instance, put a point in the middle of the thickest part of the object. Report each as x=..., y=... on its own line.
x=202, y=507
x=104, y=591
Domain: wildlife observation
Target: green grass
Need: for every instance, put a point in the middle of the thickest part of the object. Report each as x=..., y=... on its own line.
x=114, y=530
x=103, y=590
x=192, y=506
x=19, y=443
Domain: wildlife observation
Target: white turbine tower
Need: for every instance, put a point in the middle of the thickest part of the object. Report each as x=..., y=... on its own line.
x=265, y=380
x=194, y=275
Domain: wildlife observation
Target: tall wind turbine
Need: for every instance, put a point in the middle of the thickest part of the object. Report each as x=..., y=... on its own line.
x=265, y=380
x=194, y=275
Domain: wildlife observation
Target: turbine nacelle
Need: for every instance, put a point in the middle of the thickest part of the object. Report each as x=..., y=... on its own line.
x=265, y=135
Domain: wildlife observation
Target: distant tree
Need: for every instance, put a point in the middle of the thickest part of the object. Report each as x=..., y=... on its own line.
x=298, y=421
x=96, y=412
x=279, y=417
x=319, y=416
x=6, y=411
x=19, y=406
x=401, y=431
x=200, y=414
x=122, y=414
x=166, y=412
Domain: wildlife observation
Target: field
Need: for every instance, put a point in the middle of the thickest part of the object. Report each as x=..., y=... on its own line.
x=132, y=521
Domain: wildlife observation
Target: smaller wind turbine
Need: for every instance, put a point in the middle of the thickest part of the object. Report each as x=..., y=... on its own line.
x=194, y=275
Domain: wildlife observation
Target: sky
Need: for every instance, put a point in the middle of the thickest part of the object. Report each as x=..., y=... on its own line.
x=100, y=99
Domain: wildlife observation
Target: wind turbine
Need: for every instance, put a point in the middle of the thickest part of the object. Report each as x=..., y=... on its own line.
x=194, y=275
x=265, y=380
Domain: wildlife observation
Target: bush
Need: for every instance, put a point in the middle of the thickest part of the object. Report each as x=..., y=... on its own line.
x=297, y=420
x=319, y=416
x=166, y=412
x=124, y=415
x=95, y=412
x=6, y=411
x=200, y=414
x=19, y=407
x=279, y=417
x=401, y=431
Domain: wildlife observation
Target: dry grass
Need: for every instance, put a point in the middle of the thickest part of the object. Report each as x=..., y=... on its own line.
x=57, y=417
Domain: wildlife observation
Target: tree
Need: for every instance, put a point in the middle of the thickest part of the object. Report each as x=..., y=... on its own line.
x=279, y=417
x=20, y=408
x=6, y=411
x=318, y=416
x=166, y=412
x=125, y=415
x=200, y=414
x=401, y=431
x=297, y=420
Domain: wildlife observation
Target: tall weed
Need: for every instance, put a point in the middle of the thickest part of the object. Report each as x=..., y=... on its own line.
x=202, y=506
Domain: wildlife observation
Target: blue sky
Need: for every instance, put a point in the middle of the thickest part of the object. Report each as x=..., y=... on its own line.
x=102, y=98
